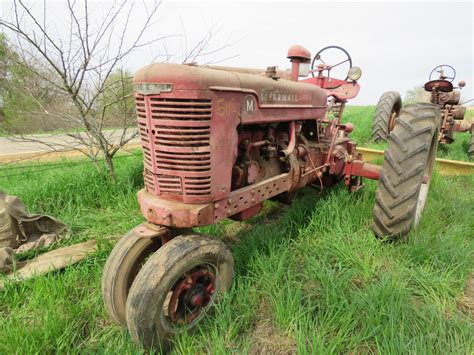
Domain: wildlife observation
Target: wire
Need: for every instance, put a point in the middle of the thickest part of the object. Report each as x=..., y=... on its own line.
x=34, y=156
x=33, y=166
x=31, y=157
x=57, y=166
x=2, y=165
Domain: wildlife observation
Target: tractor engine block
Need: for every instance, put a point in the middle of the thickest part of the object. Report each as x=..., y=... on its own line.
x=216, y=144
x=267, y=151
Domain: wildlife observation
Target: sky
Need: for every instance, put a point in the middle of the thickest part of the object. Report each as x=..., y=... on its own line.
x=396, y=44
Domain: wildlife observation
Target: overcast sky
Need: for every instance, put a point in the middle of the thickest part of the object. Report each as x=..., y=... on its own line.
x=395, y=43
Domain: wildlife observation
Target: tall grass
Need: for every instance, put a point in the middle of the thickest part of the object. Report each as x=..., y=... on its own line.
x=309, y=278
x=79, y=194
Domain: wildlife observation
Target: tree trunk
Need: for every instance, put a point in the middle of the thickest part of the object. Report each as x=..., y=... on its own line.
x=109, y=165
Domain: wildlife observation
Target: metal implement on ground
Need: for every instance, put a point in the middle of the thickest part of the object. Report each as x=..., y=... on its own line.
x=442, y=93
x=217, y=143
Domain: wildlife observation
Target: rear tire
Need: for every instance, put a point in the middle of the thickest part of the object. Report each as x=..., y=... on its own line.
x=387, y=110
x=176, y=288
x=406, y=171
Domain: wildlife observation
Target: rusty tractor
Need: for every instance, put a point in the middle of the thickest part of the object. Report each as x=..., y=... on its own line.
x=442, y=93
x=219, y=141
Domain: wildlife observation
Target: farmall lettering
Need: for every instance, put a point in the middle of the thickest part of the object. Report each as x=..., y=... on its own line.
x=275, y=96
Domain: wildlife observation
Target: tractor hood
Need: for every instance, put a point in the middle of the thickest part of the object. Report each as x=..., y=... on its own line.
x=171, y=77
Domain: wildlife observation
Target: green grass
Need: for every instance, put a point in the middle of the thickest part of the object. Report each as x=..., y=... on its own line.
x=309, y=277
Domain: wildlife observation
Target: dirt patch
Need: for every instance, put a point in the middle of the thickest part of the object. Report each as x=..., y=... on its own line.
x=364, y=349
x=266, y=338
x=466, y=302
x=233, y=231
x=358, y=282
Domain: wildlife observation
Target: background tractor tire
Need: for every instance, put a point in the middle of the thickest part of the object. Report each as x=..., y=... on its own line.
x=470, y=149
x=153, y=318
x=387, y=110
x=123, y=264
x=406, y=171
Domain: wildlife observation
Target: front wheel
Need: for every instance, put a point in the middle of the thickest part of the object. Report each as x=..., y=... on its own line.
x=176, y=288
x=406, y=171
x=386, y=112
x=123, y=264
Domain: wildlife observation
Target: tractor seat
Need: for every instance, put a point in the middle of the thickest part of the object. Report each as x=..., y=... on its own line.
x=439, y=85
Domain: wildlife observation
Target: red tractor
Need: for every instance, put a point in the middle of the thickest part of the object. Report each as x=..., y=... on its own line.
x=219, y=141
x=442, y=93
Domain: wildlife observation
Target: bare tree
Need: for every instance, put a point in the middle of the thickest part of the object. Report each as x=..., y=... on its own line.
x=416, y=95
x=81, y=67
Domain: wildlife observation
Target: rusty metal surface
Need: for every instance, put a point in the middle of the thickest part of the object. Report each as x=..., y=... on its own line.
x=218, y=142
x=181, y=215
x=440, y=85
x=189, y=136
x=283, y=74
x=173, y=213
x=299, y=52
x=343, y=91
x=249, y=196
x=363, y=169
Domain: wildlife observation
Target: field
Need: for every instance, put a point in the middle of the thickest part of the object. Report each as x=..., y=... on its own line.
x=309, y=278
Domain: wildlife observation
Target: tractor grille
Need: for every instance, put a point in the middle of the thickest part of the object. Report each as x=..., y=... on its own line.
x=176, y=149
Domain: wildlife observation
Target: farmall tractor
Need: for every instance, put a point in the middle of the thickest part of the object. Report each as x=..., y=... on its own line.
x=442, y=93
x=219, y=141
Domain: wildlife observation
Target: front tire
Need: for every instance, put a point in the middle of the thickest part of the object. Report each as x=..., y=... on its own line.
x=176, y=287
x=387, y=110
x=121, y=268
x=406, y=171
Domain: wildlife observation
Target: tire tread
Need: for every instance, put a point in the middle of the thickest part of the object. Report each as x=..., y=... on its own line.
x=383, y=112
x=402, y=170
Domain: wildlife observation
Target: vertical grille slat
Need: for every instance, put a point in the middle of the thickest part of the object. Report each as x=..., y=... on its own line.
x=175, y=136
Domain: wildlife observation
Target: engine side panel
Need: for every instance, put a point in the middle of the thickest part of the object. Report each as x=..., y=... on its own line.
x=191, y=122
x=188, y=148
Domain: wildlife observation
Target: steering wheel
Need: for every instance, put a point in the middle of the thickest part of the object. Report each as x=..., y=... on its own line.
x=440, y=69
x=344, y=58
